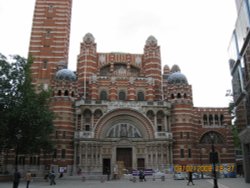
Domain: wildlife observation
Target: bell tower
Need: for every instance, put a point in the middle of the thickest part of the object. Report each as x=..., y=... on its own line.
x=152, y=65
x=49, y=41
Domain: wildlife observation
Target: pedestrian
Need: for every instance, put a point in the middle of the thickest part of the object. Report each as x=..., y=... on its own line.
x=52, y=177
x=16, y=178
x=28, y=178
x=61, y=172
x=142, y=176
x=116, y=171
x=190, y=178
x=108, y=173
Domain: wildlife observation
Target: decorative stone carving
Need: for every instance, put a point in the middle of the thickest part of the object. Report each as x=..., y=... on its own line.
x=123, y=130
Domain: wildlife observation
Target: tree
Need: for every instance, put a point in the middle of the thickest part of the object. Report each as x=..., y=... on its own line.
x=23, y=111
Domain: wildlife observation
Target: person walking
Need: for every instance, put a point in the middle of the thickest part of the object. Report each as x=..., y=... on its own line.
x=142, y=176
x=16, y=178
x=52, y=177
x=61, y=170
x=28, y=178
x=190, y=178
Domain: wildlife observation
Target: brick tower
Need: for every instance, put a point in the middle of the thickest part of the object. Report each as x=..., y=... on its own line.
x=49, y=42
x=49, y=46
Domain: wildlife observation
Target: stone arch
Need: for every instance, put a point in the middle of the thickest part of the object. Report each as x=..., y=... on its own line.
x=141, y=122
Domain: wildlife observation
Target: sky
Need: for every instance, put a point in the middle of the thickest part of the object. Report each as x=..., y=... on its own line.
x=194, y=34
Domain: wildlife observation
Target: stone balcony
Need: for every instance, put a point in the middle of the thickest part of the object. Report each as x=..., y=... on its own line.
x=84, y=134
x=112, y=105
x=90, y=134
x=163, y=135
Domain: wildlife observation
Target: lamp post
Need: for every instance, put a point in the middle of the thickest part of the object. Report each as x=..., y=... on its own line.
x=201, y=162
x=18, y=137
x=213, y=159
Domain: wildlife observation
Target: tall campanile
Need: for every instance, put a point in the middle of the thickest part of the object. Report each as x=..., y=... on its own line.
x=49, y=42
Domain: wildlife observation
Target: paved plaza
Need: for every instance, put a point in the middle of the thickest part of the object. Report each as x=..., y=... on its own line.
x=76, y=182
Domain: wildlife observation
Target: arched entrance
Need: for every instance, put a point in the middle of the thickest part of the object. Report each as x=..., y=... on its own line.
x=124, y=129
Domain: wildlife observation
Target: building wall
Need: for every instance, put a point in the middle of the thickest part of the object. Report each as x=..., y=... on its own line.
x=239, y=67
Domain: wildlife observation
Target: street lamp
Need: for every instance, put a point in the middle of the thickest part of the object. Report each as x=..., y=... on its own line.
x=18, y=137
x=201, y=152
x=213, y=160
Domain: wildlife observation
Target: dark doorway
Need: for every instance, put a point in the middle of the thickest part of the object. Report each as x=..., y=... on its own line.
x=106, y=166
x=124, y=155
x=140, y=163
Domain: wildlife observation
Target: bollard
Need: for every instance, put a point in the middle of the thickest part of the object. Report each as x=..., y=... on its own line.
x=163, y=178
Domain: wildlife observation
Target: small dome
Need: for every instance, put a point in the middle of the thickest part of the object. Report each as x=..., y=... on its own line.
x=166, y=69
x=89, y=38
x=65, y=74
x=151, y=41
x=175, y=68
x=177, y=78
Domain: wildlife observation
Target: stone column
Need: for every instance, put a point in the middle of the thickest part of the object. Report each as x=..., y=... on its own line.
x=81, y=123
x=165, y=123
x=134, y=154
x=167, y=153
x=80, y=153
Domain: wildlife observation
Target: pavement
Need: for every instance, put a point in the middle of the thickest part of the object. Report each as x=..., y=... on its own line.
x=76, y=182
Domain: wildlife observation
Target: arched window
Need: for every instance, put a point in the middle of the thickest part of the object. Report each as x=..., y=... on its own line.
x=216, y=119
x=205, y=119
x=160, y=117
x=150, y=115
x=66, y=93
x=45, y=64
x=140, y=96
x=87, y=116
x=59, y=93
x=103, y=95
x=172, y=96
x=212, y=135
x=221, y=119
x=122, y=95
x=97, y=115
x=178, y=95
x=211, y=120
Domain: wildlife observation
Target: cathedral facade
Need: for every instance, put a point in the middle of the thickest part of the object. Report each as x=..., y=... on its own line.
x=119, y=110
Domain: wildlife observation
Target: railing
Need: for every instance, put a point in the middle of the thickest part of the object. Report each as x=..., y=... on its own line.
x=84, y=134
x=124, y=104
x=89, y=134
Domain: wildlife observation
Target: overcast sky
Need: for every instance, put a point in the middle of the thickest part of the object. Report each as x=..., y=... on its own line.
x=193, y=34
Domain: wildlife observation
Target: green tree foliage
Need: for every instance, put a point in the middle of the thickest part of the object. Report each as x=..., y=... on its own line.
x=23, y=111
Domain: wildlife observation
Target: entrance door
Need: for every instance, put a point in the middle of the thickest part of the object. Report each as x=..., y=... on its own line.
x=141, y=163
x=106, y=166
x=124, y=155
